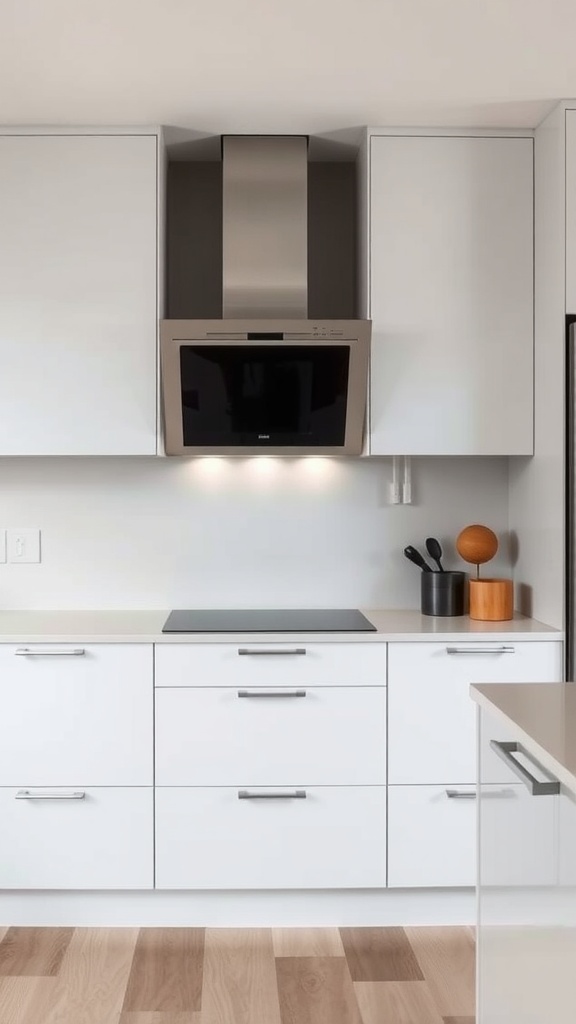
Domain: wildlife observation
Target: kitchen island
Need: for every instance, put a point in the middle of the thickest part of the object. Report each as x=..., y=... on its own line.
x=527, y=854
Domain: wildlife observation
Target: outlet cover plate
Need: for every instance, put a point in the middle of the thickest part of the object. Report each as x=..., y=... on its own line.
x=23, y=545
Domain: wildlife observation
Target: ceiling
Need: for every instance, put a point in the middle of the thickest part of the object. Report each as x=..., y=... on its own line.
x=312, y=66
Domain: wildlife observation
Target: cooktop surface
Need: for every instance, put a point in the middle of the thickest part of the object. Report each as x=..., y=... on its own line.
x=267, y=620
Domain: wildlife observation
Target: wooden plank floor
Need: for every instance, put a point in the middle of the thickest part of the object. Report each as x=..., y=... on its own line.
x=236, y=976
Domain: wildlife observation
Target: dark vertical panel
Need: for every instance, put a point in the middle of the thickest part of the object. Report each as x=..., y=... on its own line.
x=194, y=240
x=332, y=242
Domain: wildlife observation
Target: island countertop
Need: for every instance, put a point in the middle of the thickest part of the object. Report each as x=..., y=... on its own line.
x=541, y=717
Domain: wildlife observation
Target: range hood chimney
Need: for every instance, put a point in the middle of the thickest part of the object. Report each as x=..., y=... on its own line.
x=265, y=227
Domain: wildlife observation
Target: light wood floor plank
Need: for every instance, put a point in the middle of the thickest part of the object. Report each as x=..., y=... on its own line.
x=24, y=1000
x=447, y=959
x=380, y=954
x=167, y=971
x=400, y=1002
x=158, y=1017
x=316, y=990
x=33, y=951
x=239, y=977
x=307, y=942
x=92, y=980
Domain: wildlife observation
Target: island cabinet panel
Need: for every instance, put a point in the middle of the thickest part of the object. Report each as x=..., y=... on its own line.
x=527, y=894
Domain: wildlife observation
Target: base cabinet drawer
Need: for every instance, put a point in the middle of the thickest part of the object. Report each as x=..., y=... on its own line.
x=431, y=719
x=58, y=839
x=226, y=838
x=81, y=711
x=432, y=832
x=220, y=736
x=251, y=663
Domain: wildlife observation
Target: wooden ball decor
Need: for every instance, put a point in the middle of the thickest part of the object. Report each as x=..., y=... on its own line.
x=490, y=599
x=477, y=544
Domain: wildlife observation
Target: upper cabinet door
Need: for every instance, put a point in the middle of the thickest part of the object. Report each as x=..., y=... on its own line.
x=78, y=294
x=451, y=282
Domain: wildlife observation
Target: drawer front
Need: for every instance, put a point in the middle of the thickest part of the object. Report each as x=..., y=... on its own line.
x=431, y=836
x=83, y=716
x=211, y=839
x=320, y=736
x=103, y=841
x=432, y=723
x=285, y=664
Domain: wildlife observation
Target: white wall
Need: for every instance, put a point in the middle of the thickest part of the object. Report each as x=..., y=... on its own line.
x=147, y=533
x=537, y=484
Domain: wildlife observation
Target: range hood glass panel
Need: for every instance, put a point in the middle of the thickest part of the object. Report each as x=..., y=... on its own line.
x=264, y=395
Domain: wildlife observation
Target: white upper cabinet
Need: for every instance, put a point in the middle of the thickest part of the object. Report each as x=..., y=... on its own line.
x=78, y=294
x=451, y=295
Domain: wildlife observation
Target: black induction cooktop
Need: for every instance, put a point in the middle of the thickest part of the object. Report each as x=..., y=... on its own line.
x=266, y=620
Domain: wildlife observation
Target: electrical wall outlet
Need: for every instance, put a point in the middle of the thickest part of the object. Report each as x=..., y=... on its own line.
x=23, y=545
x=2, y=545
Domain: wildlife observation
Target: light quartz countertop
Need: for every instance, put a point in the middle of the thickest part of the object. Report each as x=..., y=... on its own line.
x=146, y=627
x=541, y=717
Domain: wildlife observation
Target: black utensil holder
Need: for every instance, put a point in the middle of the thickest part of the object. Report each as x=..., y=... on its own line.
x=442, y=593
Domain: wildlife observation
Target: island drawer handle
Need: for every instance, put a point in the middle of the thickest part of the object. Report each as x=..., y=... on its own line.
x=27, y=652
x=271, y=693
x=505, y=750
x=280, y=651
x=481, y=650
x=457, y=794
x=295, y=794
x=27, y=794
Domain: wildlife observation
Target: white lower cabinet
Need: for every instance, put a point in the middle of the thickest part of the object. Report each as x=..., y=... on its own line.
x=433, y=829
x=431, y=752
x=218, y=736
x=61, y=839
x=431, y=836
x=259, y=838
x=432, y=722
x=76, y=711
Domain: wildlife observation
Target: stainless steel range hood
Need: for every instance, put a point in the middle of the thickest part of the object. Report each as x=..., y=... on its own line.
x=265, y=227
x=264, y=379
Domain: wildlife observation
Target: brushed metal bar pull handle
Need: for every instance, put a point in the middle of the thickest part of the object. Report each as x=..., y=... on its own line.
x=505, y=750
x=271, y=693
x=27, y=652
x=295, y=794
x=504, y=649
x=281, y=651
x=457, y=794
x=27, y=794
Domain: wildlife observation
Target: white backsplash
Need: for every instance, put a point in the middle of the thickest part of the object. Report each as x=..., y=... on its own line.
x=163, y=533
